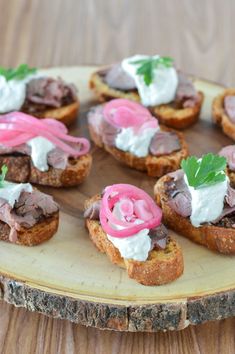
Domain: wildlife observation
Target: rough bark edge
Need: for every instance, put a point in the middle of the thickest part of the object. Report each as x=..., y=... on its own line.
x=145, y=318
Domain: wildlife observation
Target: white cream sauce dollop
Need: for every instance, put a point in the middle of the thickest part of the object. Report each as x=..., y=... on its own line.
x=207, y=202
x=161, y=90
x=40, y=147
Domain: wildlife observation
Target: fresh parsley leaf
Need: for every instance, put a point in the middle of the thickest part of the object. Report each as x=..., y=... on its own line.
x=4, y=170
x=146, y=67
x=19, y=73
x=204, y=172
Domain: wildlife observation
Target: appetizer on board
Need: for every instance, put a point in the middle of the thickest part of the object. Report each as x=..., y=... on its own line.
x=125, y=223
x=199, y=202
x=42, y=152
x=223, y=111
x=129, y=132
x=25, y=89
x=27, y=216
x=154, y=82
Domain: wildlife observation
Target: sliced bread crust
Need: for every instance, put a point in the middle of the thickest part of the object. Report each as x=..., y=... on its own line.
x=161, y=267
x=65, y=114
x=219, y=115
x=40, y=232
x=156, y=166
x=168, y=115
x=215, y=238
x=21, y=169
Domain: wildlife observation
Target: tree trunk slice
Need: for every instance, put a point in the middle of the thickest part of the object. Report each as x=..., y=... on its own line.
x=68, y=278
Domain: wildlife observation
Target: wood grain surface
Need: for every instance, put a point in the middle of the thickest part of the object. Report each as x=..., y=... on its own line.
x=24, y=332
x=199, y=35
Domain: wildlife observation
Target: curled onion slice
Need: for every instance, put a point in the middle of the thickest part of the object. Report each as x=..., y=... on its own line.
x=143, y=207
x=17, y=128
x=123, y=113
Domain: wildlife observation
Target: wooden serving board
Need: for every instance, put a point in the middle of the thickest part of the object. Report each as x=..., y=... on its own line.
x=68, y=278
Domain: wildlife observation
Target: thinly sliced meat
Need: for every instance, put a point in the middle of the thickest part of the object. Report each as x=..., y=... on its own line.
x=27, y=211
x=225, y=213
x=107, y=131
x=36, y=203
x=117, y=78
x=95, y=118
x=55, y=158
x=230, y=197
x=186, y=93
x=93, y=212
x=229, y=153
x=58, y=159
x=180, y=197
x=164, y=143
x=50, y=92
x=229, y=106
x=159, y=236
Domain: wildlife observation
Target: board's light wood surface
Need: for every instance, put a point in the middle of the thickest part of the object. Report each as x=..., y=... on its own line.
x=68, y=273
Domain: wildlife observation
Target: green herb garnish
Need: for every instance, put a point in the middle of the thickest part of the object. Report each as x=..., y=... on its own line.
x=19, y=73
x=4, y=170
x=146, y=67
x=204, y=172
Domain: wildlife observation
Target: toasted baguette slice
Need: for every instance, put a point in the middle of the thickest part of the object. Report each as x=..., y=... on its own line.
x=178, y=118
x=156, y=166
x=21, y=169
x=219, y=115
x=166, y=114
x=161, y=267
x=35, y=235
x=66, y=114
x=216, y=238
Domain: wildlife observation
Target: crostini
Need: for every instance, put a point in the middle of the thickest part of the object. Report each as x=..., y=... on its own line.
x=154, y=82
x=125, y=223
x=27, y=216
x=129, y=132
x=42, y=152
x=25, y=89
x=223, y=111
x=199, y=203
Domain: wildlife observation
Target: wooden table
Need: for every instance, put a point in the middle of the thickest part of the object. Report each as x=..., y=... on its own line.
x=57, y=32
x=24, y=332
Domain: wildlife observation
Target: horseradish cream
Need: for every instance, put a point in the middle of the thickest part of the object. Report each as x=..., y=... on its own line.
x=163, y=87
x=40, y=147
x=207, y=202
x=12, y=95
x=137, y=144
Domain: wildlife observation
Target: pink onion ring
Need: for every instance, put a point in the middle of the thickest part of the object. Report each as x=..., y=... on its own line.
x=18, y=128
x=123, y=113
x=118, y=192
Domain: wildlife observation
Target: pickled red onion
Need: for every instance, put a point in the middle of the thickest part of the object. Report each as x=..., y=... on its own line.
x=123, y=113
x=143, y=206
x=17, y=128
